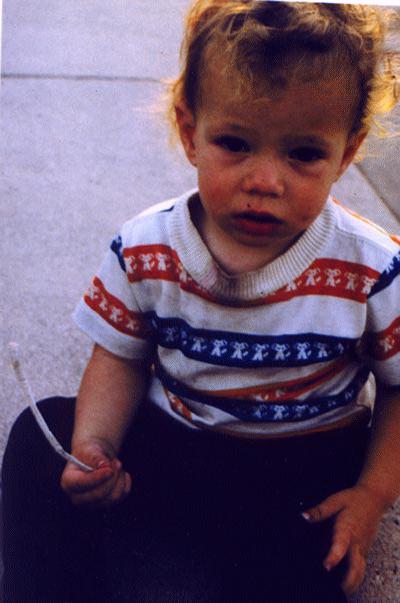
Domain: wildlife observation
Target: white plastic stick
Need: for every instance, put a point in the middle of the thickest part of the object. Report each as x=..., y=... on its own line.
x=27, y=390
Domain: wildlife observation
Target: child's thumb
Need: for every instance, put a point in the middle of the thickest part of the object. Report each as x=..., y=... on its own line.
x=95, y=456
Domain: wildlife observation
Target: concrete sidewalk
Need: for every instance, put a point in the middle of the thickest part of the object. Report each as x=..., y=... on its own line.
x=83, y=148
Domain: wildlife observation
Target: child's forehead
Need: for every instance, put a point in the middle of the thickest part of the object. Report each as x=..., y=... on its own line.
x=324, y=105
x=224, y=88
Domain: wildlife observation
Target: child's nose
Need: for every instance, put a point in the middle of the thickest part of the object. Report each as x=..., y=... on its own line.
x=264, y=177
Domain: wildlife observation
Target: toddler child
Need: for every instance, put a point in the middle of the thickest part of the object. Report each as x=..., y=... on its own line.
x=239, y=330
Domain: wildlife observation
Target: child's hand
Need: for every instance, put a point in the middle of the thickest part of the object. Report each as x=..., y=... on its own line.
x=357, y=512
x=103, y=487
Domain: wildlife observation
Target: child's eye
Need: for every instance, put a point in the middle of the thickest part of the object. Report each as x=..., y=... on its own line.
x=306, y=154
x=232, y=144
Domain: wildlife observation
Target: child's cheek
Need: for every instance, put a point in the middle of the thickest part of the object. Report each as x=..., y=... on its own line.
x=207, y=182
x=309, y=213
x=213, y=181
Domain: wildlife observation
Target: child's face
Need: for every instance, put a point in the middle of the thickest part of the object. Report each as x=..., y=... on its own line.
x=265, y=167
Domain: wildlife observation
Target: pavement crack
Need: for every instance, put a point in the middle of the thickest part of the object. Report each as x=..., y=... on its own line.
x=78, y=78
x=364, y=173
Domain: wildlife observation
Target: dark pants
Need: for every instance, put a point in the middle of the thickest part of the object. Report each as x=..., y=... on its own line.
x=210, y=519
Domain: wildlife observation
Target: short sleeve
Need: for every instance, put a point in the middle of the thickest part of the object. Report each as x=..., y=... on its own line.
x=383, y=325
x=109, y=312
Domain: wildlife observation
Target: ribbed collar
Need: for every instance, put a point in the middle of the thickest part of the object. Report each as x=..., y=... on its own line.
x=200, y=264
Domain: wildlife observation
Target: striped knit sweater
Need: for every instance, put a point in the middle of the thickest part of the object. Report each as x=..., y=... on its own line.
x=290, y=348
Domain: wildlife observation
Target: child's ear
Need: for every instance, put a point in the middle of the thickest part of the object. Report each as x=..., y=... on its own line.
x=187, y=127
x=354, y=143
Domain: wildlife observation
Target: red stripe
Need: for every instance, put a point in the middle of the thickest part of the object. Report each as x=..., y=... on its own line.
x=113, y=311
x=331, y=277
x=285, y=390
x=160, y=262
x=336, y=278
x=178, y=406
x=385, y=344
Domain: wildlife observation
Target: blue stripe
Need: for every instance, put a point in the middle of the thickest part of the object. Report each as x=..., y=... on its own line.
x=225, y=348
x=260, y=412
x=387, y=276
x=116, y=247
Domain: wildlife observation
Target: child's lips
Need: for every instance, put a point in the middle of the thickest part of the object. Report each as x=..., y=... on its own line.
x=259, y=216
x=258, y=223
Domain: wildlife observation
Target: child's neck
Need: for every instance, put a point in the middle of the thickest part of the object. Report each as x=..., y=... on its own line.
x=234, y=263
x=232, y=257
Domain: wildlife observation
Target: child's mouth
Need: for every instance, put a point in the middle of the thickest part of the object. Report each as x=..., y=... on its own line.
x=261, y=217
x=257, y=223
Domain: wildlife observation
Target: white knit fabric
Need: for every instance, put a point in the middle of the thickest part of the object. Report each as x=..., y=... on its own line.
x=286, y=349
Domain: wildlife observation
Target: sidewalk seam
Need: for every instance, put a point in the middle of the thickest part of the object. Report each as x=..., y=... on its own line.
x=97, y=78
x=371, y=184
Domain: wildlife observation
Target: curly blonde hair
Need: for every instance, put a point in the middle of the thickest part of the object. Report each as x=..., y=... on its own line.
x=270, y=43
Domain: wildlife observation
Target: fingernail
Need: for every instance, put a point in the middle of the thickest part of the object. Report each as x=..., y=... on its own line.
x=328, y=567
x=306, y=516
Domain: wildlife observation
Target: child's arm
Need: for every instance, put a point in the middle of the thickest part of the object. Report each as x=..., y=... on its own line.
x=359, y=510
x=109, y=395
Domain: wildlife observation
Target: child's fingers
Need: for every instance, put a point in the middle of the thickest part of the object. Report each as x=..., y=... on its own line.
x=121, y=489
x=340, y=546
x=75, y=481
x=128, y=484
x=330, y=506
x=97, y=483
x=356, y=572
x=106, y=494
x=96, y=494
x=111, y=486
